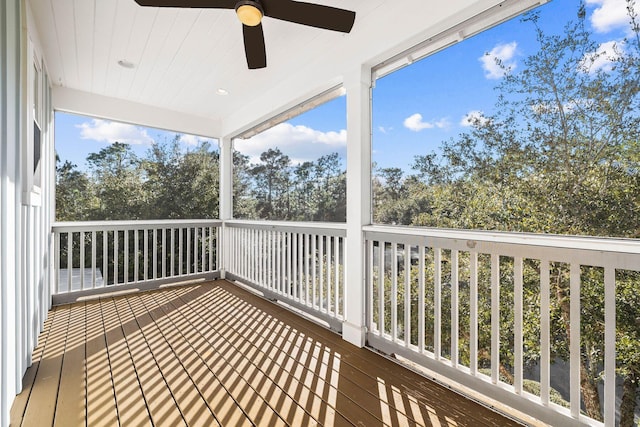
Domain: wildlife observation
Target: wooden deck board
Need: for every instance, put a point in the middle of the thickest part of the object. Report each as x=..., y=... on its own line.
x=198, y=352
x=214, y=354
x=44, y=392
x=20, y=402
x=130, y=402
x=101, y=406
x=70, y=406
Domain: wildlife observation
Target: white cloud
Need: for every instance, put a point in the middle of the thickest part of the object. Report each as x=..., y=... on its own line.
x=499, y=60
x=300, y=143
x=609, y=14
x=473, y=118
x=194, y=140
x=110, y=132
x=383, y=129
x=416, y=123
x=603, y=58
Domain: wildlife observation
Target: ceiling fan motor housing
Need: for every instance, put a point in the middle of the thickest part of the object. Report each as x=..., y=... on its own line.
x=250, y=12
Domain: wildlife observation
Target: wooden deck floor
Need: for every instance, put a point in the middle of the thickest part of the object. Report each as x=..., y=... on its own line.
x=214, y=354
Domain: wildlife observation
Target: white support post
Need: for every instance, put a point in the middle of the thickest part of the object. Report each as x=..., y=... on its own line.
x=226, y=200
x=358, y=85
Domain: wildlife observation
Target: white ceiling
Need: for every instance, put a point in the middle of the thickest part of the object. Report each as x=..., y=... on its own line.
x=182, y=56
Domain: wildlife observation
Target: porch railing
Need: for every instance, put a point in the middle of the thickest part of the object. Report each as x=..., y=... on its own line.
x=514, y=316
x=517, y=317
x=94, y=255
x=301, y=264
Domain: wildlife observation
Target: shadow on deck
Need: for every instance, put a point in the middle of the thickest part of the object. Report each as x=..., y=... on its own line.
x=215, y=354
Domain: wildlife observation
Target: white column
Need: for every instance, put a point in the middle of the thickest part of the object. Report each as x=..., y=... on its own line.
x=225, y=197
x=358, y=86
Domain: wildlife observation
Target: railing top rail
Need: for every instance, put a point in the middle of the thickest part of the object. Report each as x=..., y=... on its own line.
x=328, y=228
x=588, y=243
x=132, y=224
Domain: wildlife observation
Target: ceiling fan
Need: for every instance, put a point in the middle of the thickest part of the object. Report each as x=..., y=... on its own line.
x=251, y=12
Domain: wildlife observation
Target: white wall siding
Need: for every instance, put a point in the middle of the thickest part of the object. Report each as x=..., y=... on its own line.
x=25, y=221
x=9, y=189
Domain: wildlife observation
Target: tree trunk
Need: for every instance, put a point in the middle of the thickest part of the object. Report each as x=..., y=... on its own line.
x=628, y=405
x=590, y=395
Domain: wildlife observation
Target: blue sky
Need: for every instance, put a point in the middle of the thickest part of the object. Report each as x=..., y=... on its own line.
x=414, y=109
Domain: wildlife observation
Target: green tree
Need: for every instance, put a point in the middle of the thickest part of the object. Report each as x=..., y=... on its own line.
x=74, y=193
x=118, y=180
x=244, y=204
x=329, y=195
x=272, y=184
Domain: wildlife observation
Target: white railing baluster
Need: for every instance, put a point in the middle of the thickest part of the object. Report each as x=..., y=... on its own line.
x=242, y=256
x=473, y=313
x=203, y=248
x=261, y=257
x=381, y=294
x=288, y=279
x=126, y=257
x=421, y=301
x=394, y=291
x=57, y=261
x=321, y=255
x=164, y=252
x=145, y=243
x=609, y=345
x=574, y=339
x=93, y=259
x=81, y=248
x=105, y=257
x=218, y=257
x=155, y=253
x=328, y=251
x=455, y=322
x=254, y=259
x=545, y=331
x=294, y=266
x=370, y=279
x=300, y=266
x=495, y=318
x=252, y=255
x=116, y=256
x=407, y=295
x=173, y=252
x=69, y=261
x=307, y=255
x=278, y=258
x=437, y=303
x=273, y=262
x=336, y=269
x=517, y=324
x=313, y=269
x=212, y=236
x=136, y=261
x=189, y=250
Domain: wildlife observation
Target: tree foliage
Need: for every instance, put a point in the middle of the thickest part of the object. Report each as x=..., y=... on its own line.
x=171, y=183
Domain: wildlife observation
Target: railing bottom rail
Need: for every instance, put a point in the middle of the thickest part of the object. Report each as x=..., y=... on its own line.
x=149, y=285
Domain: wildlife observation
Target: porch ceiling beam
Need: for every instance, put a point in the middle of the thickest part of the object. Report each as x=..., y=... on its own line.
x=91, y=104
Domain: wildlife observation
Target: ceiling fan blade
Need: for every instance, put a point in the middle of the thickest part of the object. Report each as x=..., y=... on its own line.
x=205, y=4
x=314, y=15
x=254, y=46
